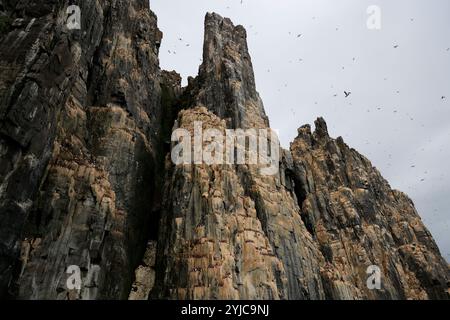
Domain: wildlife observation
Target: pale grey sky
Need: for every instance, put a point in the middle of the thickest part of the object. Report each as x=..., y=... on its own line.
x=395, y=115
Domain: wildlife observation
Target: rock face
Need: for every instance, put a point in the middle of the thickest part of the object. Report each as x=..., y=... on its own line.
x=358, y=221
x=210, y=236
x=145, y=274
x=86, y=178
x=80, y=121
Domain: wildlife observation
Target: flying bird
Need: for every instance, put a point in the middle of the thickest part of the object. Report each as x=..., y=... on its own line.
x=396, y=46
x=347, y=94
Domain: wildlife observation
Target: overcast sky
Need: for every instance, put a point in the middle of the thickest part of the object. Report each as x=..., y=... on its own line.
x=397, y=77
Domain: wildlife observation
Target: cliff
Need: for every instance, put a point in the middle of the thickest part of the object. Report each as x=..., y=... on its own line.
x=86, y=177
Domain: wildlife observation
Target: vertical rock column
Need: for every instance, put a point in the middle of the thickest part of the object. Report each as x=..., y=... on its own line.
x=359, y=221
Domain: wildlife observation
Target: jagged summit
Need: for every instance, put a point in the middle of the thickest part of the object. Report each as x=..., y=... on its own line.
x=225, y=84
x=321, y=127
x=86, y=179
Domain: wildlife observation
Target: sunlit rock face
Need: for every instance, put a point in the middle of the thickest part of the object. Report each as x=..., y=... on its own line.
x=86, y=177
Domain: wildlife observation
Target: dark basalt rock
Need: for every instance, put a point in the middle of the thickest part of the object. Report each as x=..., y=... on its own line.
x=85, y=178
